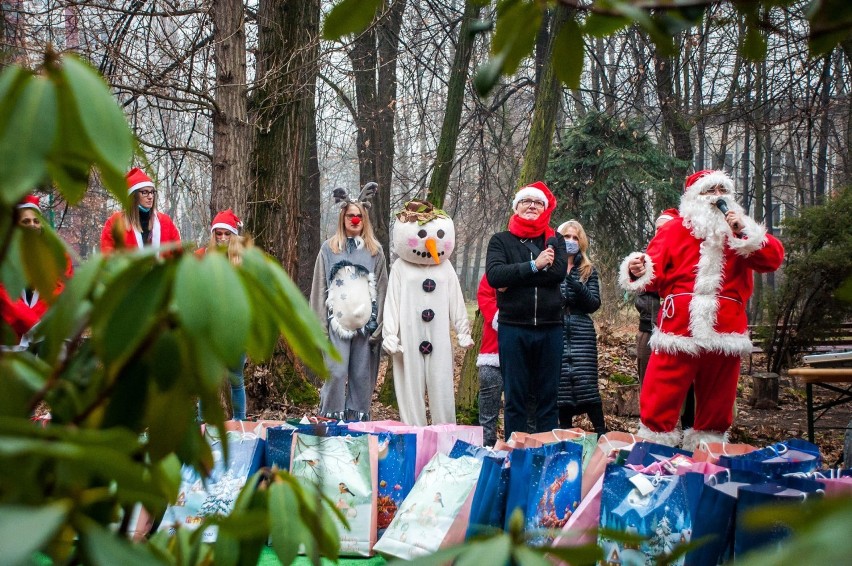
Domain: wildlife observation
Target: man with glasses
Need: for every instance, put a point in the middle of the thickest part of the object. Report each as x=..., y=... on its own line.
x=526, y=265
x=702, y=264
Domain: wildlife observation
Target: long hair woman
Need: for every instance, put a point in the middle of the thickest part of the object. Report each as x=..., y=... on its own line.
x=141, y=225
x=578, y=383
x=348, y=295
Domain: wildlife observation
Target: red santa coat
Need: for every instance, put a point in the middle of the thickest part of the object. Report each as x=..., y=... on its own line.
x=162, y=232
x=22, y=314
x=486, y=297
x=704, y=282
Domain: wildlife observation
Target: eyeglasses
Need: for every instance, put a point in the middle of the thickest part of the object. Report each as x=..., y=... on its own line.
x=717, y=190
x=146, y=192
x=531, y=202
x=351, y=216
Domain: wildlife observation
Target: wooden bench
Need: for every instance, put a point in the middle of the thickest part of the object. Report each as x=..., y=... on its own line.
x=824, y=378
x=838, y=340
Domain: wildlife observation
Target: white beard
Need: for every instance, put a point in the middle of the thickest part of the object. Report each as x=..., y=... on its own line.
x=704, y=220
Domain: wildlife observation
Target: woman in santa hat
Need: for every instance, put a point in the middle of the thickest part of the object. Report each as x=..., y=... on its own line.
x=350, y=306
x=142, y=224
x=225, y=238
x=22, y=314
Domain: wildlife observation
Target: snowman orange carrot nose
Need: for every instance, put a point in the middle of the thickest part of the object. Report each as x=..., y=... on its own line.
x=432, y=247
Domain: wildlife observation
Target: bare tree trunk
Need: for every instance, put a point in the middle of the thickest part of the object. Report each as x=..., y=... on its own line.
x=676, y=123
x=455, y=100
x=231, y=133
x=824, y=123
x=847, y=158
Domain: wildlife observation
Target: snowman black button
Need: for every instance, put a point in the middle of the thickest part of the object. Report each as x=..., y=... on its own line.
x=425, y=347
x=427, y=315
x=429, y=285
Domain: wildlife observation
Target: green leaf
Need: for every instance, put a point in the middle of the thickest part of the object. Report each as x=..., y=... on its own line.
x=102, y=547
x=44, y=260
x=488, y=74
x=349, y=16
x=754, y=44
x=585, y=554
x=529, y=557
x=12, y=275
x=170, y=421
x=101, y=119
x=497, y=550
x=23, y=375
x=480, y=26
x=517, y=28
x=11, y=80
x=27, y=139
x=569, y=53
x=282, y=506
x=211, y=302
x=600, y=25
x=25, y=530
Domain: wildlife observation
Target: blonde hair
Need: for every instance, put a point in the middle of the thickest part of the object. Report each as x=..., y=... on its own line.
x=236, y=246
x=131, y=215
x=585, y=263
x=338, y=241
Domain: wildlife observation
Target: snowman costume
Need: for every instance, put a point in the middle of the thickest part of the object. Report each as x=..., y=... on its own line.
x=703, y=272
x=347, y=295
x=423, y=299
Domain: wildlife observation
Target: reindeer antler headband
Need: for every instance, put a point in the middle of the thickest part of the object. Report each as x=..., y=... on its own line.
x=344, y=199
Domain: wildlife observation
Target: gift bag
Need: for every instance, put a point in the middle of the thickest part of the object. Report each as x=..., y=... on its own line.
x=215, y=495
x=646, y=453
x=790, y=456
x=524, y=475
x=488, y=507
x=583, y=522
x=436, y=512
x=444, y=436
x=397, y=455
x=554, y=493
x=279, y=446
x=837, y=482
x=588, y=440
x=657, y=507
x=345, y=469
x=607, y=447
x=424, y=452
x=712, y=451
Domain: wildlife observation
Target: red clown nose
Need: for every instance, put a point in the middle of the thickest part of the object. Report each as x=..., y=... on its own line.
x=356, y=221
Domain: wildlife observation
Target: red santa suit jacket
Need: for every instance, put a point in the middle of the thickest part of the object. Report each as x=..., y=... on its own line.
x=22, y=314
x=704, y=275
x=486, y=297
x=163, y=231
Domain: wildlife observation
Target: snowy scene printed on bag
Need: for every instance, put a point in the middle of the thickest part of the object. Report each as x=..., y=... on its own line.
x=657, y=507
x=427, y=516
x=554, y=492
x=345, y=469
x=199, y=498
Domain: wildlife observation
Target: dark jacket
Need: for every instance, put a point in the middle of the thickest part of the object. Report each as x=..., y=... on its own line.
x=578, y=382
x=648, y=305
x=530, y=299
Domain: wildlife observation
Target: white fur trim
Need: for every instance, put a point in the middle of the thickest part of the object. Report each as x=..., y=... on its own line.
x=709, y=181
x=530, y=192
x=346, y=333
x=754, y=237
x=494, y=322
x=27, y=205
x=671, y=438
x=625, y=279
x=693, y=439
x=488, y=360
x=720, y=342
x=140, y=185
x=224, y=226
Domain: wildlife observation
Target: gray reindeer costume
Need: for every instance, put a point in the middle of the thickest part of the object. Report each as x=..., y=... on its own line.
x=348, y=295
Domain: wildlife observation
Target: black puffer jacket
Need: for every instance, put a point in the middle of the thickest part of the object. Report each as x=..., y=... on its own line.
x=578, y=382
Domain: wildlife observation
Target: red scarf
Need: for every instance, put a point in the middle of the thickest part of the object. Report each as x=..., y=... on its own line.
x=523, y=228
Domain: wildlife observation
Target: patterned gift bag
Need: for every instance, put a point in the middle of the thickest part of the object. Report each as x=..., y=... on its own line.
x=788, y=457
x=554, y=492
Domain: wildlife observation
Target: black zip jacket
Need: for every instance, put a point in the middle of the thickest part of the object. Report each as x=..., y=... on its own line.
x=530, y=299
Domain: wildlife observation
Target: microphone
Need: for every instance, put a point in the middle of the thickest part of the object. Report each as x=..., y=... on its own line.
x=551, y=246
x=722, y=205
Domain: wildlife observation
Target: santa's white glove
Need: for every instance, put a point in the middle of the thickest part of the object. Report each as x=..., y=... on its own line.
x=465, y=341
x=391, y=345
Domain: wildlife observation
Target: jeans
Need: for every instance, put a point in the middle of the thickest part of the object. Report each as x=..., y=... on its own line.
x=238, y=392
x=490, y=395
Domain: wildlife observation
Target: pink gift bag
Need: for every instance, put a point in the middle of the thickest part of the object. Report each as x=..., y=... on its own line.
x=712, y=451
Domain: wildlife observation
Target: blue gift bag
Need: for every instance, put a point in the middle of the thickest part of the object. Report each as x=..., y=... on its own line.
x=646, y=453
x=788, y=457
x=488, y=508
x=397, y=459
x=554, y=492
x=521, y=477
x=658, y=507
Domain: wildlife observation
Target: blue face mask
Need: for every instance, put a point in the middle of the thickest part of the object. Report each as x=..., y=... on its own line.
x=572, y=247
x=143, y=209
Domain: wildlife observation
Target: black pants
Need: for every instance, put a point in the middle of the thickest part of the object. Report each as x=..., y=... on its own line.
x=594, y=410
x=530, y=359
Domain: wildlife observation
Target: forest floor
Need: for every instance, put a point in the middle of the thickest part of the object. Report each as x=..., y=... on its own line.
x=617, y=366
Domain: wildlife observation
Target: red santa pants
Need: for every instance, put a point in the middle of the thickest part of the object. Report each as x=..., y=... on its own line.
x=667, y=381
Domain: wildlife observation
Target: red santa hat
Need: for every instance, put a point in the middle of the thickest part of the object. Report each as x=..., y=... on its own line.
x=226, y=220
x=29, y=201
x=537, y=191
x=137, y=179
x=700, y=181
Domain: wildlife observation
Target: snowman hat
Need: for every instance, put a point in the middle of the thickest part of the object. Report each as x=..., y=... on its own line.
x=29, y=201
x=532, y=191
x=701, y=181
x=226, y=220
x=137, y=179
x=344, y=199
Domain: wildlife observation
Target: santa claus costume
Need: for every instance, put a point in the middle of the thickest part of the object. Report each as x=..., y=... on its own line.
x=703, y=272
x=488, y=362
x=155, y=228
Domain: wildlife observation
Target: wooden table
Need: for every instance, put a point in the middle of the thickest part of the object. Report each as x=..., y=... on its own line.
x=825, y=378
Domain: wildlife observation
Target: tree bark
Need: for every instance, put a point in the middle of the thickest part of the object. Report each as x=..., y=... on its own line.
x=676, y=123
x=452, y=117
x=847, y=159
x=231, y=133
